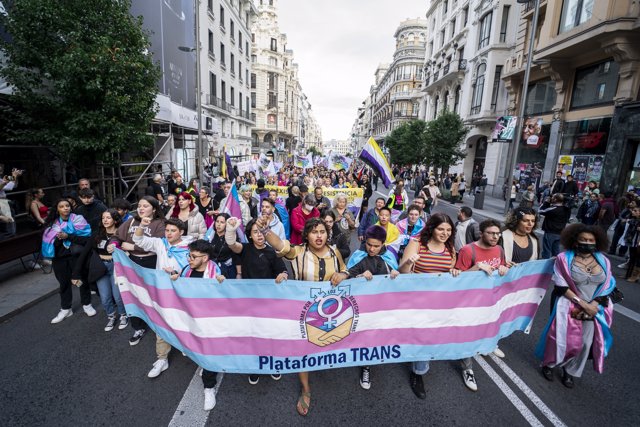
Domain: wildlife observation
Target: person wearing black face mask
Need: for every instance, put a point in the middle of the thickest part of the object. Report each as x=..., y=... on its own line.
x=582, y=307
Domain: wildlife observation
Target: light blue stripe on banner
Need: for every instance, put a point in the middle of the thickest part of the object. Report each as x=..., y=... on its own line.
x=250, y=364
x=301, y=290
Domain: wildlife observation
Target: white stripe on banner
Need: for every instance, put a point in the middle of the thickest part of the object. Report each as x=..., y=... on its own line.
x=220, y=327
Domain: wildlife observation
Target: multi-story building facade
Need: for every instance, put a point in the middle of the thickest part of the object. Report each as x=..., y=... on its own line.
x=343, y=146
x=276, y=94
x=468, y=43
x=225, y=58
x=584, y=88
x=397, y=88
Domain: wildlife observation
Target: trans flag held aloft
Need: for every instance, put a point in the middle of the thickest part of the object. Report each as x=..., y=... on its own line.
x=259, y=327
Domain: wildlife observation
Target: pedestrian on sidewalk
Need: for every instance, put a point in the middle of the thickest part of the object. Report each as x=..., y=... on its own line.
x=63, y=240
x=556, y=216
x=528, y=197
x=467, y=228
x=619, y=231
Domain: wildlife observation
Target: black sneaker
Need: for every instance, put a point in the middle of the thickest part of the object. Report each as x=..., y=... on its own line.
x=547, y=372
x=137, y=336
x=365, y=380
x=567, y=380
x=417, y=386
x=253, y=379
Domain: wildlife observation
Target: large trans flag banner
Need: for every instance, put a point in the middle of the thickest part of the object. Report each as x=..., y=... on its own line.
x=259, y=327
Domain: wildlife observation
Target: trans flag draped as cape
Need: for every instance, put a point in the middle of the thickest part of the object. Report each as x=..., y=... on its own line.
x=256, y=326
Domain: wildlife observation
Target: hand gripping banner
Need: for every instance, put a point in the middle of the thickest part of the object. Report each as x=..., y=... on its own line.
x=259, y=327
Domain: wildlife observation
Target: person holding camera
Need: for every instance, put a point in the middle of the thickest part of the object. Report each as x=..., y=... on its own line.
x=8, y=183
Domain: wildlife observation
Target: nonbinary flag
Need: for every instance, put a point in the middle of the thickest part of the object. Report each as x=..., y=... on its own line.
x=373, y=156
x=258, y=327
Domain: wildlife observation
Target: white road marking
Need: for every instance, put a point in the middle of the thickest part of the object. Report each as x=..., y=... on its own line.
x=510, y=394
x=627, y=312
x=189, y=412
x=546, y=411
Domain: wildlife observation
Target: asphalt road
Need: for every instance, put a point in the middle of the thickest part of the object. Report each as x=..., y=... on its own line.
x=74, y=373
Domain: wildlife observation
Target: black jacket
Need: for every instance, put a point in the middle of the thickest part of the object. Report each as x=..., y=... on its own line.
x=92, y=213
x=555, y=217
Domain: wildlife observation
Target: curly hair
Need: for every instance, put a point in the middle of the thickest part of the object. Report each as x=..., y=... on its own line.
x=434, y=222
x=569, y=236
x=516, y=215
x=310, y=225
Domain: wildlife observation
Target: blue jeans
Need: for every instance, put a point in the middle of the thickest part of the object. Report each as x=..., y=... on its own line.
x=109, y=292
x=550, y=245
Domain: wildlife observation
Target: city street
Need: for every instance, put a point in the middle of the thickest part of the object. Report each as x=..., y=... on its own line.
x=74, y=373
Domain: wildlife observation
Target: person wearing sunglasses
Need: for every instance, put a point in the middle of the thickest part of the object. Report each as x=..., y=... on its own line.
x=488, y=256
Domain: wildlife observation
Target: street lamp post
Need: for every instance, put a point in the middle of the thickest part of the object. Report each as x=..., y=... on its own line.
x=513, y=149
x=200, y=151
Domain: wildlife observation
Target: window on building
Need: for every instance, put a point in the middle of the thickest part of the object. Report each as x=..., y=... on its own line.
x=274, y=45
x=442, y=35
x=574, y=13
x=210, y=42
x=478, y=89
x=504, y=23
x=221, y=17
x=232, y=29
x=246, y=75
x=222, y=61
x=233, y=96
x=247, y=103
x=596, y=84
x=253, y=80
x=246, y=48
x=246, y=18
x=210, y=6
x=240, y=69
x=272, y=100
x=453, y=27
x=254, y=59
x=445, y=7
x=541, y=97
x=223, y=90
x=465, y=16
x=213, y=90
x=430, y=49
x=253, y=100
x=496, y=87
x=240, y=40
x=435, y=106
x=253, y=37
x=456, y=100
x=445, y=101
x=273, y=61
x=485, y=30
x=232, y=61
x=272, y=81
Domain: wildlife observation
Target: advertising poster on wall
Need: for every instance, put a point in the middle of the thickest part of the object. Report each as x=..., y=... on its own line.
x=505, y=129
x=565, y=165
x=594, y=173
x=531, y=130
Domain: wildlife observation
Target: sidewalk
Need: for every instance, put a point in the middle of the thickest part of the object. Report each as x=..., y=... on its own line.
x=20, y=290
x=493, y=207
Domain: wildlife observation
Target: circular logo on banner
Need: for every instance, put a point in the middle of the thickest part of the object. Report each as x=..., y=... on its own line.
x=329, y=317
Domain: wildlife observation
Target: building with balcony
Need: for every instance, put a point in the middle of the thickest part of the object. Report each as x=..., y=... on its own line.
x=225, y=40
x=468, y=42
x=396, y=93
x=276, y=93
x=584, y=87
x=343, y=147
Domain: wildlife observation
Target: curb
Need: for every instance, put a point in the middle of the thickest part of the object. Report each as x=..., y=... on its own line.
x=18, y=310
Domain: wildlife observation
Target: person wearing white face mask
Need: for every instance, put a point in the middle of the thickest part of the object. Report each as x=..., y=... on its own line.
x=299, y=216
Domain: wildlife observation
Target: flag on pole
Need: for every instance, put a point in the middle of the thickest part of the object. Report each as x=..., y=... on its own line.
x=223, y=166
x=231, y=207
x=375, y=159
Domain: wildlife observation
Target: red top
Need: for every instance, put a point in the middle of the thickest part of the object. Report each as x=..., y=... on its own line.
x=493, y=256
x=298, y=219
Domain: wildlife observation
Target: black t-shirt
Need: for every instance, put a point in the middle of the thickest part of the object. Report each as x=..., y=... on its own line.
x=220, y=251
x=260, y=263
x=196, y=274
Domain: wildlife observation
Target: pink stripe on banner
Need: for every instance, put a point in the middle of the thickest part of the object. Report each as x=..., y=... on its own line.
x=287, y=309
x=369, y=338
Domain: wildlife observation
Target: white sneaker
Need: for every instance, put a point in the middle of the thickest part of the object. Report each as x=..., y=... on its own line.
x=62, y=314
x=159, y=367
x=111, y=323
x=89, y=310
x=209, y=398
x=624, y=265
x=124, y=322
x=499, y=353
x=469, y=380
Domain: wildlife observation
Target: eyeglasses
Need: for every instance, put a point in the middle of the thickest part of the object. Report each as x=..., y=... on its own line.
x=493, y=233
x=195, y=256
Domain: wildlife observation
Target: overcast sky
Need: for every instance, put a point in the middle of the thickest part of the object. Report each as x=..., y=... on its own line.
x=338, y=44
